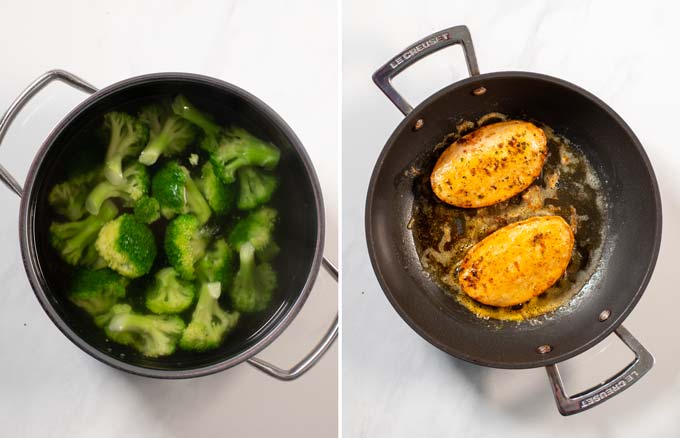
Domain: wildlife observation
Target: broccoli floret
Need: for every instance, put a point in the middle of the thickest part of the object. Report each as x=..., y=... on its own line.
x=96, y=291
x=68, y=198
x=127, y=246
x=256, y=187
x=169, y=134
x=209, y=322
x=169, y=294
x=135, y=185
x=73, y=239
x=127, y=138
x=220, y=197
x=239, y=148
x=256, y=228
x=217, y=264
x=185, y=244
x=151, y=335
x=211, y=131
x=177, y=193
x=104, y=318
x=147, y=210
x=254, y=284
x=269, y=252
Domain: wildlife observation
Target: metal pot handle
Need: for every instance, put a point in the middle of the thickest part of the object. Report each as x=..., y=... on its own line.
x=313, y=357
x=623, y=380
x=416, y=52
x=22, y=100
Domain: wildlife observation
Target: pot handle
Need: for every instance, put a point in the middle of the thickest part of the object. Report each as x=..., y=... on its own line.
x=416, y=52
x=624, y=379
x=313, y=357
x=23, y=99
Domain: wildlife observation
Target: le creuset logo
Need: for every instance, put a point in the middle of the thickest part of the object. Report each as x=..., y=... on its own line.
x=619, y=385
x=419, y=48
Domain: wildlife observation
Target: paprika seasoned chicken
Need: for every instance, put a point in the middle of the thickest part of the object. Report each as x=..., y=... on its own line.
x=490, y=165
x=517, y=262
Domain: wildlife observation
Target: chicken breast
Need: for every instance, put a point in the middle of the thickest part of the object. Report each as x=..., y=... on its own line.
x=517, y=262
x=490, y=165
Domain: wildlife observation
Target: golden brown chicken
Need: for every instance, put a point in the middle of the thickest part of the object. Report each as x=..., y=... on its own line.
x=517, y=262
x=490, y=165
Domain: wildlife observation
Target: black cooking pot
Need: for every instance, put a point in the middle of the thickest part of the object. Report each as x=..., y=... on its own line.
x=300, y=230
x=632, y=229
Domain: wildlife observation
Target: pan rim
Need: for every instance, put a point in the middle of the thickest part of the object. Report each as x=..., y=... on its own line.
x=27, y=232
x=613, y=324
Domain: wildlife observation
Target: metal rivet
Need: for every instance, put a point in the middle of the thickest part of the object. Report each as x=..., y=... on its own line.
x=604, y=315
x=543, y=349
x=419, y=124
x=479, y=91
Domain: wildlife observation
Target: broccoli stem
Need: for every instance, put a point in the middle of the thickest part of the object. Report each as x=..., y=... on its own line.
x=154, y=149
x=113, y=170
x=183, y=108
x=197, y=203
x=99, y=194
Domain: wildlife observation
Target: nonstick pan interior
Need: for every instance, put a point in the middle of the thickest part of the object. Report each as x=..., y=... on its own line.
x=632, y=228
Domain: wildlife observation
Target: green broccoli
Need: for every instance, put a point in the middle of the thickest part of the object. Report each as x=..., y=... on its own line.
x=220, y=197
x=96, y=291
x=185, y=244
x=135, y=185
x=177, y=193
x=269, y=252
x=103, y=319
x=127, y=246
x=217, y=264
x=147, y=210
x=254, y=284
x=209, y=322
x=68, y=197
x=73, y=239
x=169, y=294
x=239, y=148
x=127, y=138
x=169, y=134
x=256, y=187
x=92, y=259
x=255, y=228
x=211, y=131
x=151, y=335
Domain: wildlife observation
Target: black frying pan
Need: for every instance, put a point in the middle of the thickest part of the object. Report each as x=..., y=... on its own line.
x=632, y=228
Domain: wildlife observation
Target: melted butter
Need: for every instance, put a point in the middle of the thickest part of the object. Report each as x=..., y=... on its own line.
x=568, y=186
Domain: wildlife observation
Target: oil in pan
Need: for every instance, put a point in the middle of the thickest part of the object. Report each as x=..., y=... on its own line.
x=568, y=187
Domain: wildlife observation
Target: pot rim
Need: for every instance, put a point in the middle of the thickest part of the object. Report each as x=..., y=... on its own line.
x=27, y=234
x=408, y=121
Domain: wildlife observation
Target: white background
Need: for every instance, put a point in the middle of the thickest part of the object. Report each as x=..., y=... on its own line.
x=395, y=384
x=284, y=54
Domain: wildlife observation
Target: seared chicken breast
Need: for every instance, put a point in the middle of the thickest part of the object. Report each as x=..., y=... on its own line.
x=490, y=165
x=517, y=262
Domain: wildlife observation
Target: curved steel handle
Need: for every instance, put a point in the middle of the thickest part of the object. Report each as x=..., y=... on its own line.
x=23, y=99
x=313, y=357
x=416, y=52
x=623, y=380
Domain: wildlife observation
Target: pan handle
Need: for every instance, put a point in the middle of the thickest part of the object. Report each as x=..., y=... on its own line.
x=23, y=99
x=313, y=357
x=568, y=405
x=416, y=52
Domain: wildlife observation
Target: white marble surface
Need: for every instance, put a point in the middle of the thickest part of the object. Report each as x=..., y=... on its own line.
x=48, y=387
x=395, y=384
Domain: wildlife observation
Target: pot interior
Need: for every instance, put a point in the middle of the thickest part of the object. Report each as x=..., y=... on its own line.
x=77, y=141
